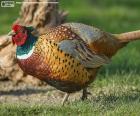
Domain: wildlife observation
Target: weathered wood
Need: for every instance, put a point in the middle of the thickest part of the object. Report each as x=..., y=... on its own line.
x=42, y=15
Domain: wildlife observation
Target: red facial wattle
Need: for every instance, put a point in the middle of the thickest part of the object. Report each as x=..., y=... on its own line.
x=21, y=35
x=20, y=38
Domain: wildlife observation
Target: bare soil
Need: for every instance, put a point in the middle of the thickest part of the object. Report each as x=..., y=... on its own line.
x=29, y=94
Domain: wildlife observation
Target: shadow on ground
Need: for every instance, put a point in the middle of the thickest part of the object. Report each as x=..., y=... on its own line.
x=27, y=91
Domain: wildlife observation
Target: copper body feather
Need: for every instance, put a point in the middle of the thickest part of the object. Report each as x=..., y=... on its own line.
x=69, y=56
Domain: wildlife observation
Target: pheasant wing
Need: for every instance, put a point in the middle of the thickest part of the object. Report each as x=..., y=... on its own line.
x=79, y=50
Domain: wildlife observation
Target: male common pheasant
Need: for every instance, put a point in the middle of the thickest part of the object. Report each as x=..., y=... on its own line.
x=68, y=56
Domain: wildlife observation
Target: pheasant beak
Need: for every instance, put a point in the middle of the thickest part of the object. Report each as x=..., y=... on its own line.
x=11, y=33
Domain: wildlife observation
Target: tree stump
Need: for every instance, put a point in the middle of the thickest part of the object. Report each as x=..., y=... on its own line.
x=41, y=16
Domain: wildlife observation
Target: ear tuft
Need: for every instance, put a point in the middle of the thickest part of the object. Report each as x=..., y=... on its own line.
x=30, y=28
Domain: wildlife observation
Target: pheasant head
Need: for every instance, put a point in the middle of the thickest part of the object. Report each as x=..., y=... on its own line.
x=20, y=34
x=24, y=38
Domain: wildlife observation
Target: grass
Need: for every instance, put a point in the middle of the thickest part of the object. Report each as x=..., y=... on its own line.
x=113, y=95
x=78, y=108
x=117, y=87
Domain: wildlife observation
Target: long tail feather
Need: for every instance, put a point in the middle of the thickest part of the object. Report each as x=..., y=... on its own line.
x=128, y=36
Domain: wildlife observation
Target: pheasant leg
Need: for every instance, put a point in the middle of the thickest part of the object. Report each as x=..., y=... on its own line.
x=65, y=98
x=85, y=94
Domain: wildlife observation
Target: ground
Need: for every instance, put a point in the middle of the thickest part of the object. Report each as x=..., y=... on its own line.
x=116, y=90
x=114, y=95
